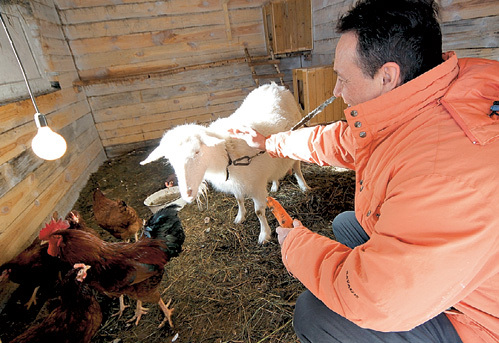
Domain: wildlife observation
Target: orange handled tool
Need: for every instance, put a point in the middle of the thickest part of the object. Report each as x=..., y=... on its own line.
x=279, y=213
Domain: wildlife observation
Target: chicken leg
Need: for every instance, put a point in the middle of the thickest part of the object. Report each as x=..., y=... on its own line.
x=164, y=307
x=32, y=300
x=167, y=311
x=122, y=307
x=139, y=311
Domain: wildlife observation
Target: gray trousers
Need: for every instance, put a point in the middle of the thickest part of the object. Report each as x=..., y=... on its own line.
x=314, y=322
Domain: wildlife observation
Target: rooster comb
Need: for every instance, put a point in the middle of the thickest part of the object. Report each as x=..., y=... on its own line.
x=52, y=226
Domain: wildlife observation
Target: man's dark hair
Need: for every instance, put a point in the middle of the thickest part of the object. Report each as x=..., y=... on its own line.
x=406, y=32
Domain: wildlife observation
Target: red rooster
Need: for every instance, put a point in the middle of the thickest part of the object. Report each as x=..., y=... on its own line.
x=116, y=217
x=134, y=269
x=34, y=268
x=75, y=320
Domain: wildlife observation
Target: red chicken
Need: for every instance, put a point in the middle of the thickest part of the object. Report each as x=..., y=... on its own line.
x=116, y=217
x=34, y=268
x=76, y=319
x=134, y=269
x=76, y=221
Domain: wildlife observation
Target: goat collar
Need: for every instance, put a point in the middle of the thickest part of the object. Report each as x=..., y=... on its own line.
x=241, y=161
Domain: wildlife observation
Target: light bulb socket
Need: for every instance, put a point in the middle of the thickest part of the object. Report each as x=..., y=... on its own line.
x=40, y=120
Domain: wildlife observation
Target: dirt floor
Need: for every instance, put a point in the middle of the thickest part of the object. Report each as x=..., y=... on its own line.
x=224, y=286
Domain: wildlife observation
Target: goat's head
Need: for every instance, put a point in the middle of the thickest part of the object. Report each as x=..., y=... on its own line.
x=189, y=150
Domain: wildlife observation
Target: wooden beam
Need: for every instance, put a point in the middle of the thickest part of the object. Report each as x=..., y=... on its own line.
x=268, y=76
x=264, y=62
x=160, y=73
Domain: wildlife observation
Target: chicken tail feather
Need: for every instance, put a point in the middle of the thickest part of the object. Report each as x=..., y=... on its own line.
x=165, y=225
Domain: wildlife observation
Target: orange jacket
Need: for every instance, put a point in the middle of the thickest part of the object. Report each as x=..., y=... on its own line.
x=426, y=157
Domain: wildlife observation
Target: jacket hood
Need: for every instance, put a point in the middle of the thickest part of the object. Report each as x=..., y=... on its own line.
x=470, y=97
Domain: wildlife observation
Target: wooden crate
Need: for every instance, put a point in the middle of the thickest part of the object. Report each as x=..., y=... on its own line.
x=313, y=86
x=288, y=25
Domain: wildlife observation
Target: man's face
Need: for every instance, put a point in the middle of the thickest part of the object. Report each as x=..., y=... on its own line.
x=352, y=84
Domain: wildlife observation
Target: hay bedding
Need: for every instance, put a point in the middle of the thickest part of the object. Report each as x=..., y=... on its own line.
x=224, y=286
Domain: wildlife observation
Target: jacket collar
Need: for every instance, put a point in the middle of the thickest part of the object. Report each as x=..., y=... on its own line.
x=375, y=118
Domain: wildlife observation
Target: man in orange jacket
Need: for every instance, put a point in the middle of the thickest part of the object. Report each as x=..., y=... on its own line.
x=417, y=260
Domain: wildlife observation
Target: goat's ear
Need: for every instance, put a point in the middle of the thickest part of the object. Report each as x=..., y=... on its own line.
x=156, y=154
x=211, y=140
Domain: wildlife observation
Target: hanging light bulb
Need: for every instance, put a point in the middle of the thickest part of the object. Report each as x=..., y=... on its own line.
x=47, y=144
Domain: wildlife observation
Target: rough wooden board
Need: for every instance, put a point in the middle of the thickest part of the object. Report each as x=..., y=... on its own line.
x=25, y=194
x=173, y=55
x=158, y=23
x=160, y=38
x=102, y=11
x=453, y=10
x=220, y=69
x=44, y=201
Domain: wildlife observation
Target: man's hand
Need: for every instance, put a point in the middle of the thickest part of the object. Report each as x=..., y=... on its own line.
x=283, y=232
x=253, y=138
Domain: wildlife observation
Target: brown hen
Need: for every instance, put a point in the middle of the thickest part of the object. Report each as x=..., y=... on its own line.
x=75, y=320
x=116, y=217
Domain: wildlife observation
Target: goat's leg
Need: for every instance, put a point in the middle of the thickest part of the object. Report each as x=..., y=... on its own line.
x=241, y=211
x=299, y=176
x=275, y=186
x=260, y=207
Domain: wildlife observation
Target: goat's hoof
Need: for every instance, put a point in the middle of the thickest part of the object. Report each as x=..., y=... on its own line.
x=239, y=220
x=263, y=239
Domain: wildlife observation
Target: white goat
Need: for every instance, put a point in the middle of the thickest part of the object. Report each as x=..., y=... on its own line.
x=199, y=153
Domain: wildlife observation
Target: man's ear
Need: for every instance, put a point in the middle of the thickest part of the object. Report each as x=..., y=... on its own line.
x=390, y=72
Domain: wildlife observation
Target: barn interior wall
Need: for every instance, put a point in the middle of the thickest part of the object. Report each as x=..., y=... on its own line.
x=147, y=65
x=31, y=188
x=129, y=70
x=470, y=28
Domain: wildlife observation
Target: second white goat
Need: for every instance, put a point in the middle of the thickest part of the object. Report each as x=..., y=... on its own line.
x=199, y=153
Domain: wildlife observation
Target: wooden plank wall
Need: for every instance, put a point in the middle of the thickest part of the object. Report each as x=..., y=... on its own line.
x=31, y=188
x=469, y=27
x=149, y=65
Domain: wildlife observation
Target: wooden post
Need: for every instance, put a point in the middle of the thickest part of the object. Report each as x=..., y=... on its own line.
x=228, y=30
x=312, y=86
